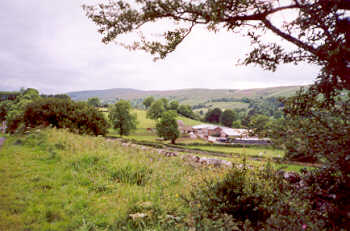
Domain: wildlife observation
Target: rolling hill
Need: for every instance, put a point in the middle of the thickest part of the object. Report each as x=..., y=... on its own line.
x=184, y=96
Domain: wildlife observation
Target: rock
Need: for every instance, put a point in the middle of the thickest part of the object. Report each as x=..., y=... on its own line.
x=136, y=216
x=125, y=144
x=170, y=154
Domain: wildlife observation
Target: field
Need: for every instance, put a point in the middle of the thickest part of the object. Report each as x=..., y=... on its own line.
x=144, y=123
x=222, y=106
x=142, y=134
x=75, y=182
x=55, y=180
x=248, y=151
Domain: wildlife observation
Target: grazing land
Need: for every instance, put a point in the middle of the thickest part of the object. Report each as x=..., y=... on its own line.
x=55, y=180
x=143, y=133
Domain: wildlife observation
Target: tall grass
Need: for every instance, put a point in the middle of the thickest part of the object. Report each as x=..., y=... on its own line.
x=54, y=180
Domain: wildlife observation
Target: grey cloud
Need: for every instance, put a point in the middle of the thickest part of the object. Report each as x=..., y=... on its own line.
x=52, y=46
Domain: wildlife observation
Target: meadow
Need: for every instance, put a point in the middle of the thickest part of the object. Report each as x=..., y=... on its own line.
x=142, y=133
x=55, y=180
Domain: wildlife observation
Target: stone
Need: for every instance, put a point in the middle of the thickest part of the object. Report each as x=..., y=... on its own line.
x=136, y=216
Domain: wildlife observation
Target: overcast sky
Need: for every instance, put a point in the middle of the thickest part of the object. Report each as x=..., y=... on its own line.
x=52, y=46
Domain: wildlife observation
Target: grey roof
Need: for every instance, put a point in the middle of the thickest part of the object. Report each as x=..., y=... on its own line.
x=205, y=126
x=234, y=132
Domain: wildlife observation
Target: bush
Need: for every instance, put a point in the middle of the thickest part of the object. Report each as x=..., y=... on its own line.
x=265, y=200
x=62, y=113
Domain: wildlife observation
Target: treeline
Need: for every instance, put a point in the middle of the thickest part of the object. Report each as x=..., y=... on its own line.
x=29, y=109
x=156, y=107
x=258, y=117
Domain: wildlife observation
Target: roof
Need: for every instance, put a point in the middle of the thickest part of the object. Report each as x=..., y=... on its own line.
x=205, y=126
x=234, y=132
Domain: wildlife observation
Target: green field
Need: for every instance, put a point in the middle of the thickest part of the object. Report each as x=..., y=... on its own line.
x=142, y=134
x=54, y=180
x=249, y=151
x=144, y=122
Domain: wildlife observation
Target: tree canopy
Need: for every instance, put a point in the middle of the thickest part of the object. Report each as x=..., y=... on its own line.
x=320, y=31
x=213, y=116
x=148, y=101
x=156, y=109
x=167, y=126
x=94, y=101
x=121, y=117
x=227, y=117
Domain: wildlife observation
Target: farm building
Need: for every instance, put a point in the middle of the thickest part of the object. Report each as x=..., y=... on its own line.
x=207, y=130
x=183, y=128
x=212, y=132
x=233, y=133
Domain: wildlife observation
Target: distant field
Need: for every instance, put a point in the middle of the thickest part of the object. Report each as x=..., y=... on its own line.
x=222, y=106
x=142, y=134
x=249, y=151
x=144, y=122
x=184, y=96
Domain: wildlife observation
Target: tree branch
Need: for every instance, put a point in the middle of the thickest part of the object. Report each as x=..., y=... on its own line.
x=289, y=38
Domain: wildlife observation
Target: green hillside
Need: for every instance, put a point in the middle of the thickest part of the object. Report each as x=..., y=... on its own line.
x=184, y=96
x=144, y=122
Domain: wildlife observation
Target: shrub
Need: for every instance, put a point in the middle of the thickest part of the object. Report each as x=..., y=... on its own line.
x=230, y=202
x=265, y=200
x=62, y=113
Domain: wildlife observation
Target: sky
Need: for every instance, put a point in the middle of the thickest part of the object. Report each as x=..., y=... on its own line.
x=53, y=47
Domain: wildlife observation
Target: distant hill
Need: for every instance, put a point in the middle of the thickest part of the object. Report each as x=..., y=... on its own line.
x=184, y=96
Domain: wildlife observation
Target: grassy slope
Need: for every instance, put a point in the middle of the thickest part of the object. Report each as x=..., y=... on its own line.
x=249, y=151
x=144, y=122
x=141, y=132
x=185, y=96
x=55, y=180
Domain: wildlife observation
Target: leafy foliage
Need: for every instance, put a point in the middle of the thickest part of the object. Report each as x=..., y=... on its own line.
x=61, y=113
x=266, y=200
x=174, y=105
x=94, y=102
x=4, y=108
x=167, y=126
x=148, y=101
x=259, y=125
x=156, y=109
x=213, y=116
x=186, y=111
x=316, y=128
x=121, y=117
x=227, y=117
x=14, y=114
